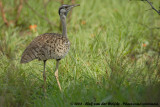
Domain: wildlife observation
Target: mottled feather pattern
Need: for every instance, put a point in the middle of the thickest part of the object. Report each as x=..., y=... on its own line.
x=46, y=46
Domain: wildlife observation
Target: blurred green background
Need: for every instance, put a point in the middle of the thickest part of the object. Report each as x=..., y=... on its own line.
x=114, y=55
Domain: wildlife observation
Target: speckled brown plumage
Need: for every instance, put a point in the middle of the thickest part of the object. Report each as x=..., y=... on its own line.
x=50, y=45
x=46, y=46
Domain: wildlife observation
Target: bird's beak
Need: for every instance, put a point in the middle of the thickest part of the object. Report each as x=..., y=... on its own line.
x=75, y=5
x=71, y=6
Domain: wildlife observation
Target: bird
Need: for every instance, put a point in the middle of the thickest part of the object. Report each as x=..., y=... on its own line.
x=50, y=45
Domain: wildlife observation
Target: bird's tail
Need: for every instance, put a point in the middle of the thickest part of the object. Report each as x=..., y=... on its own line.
x=28, y=55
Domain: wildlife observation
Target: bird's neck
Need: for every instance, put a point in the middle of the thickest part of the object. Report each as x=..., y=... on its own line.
x=64, y=25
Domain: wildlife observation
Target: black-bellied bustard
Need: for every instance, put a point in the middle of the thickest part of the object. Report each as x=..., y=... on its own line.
x=50, y=45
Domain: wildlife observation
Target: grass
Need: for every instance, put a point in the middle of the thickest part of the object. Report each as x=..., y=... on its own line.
x=114, y=55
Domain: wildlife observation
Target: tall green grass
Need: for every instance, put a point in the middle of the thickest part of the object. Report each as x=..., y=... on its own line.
x=107, y=62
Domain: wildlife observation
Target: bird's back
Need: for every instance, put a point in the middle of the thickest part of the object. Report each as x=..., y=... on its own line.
x=46, y=46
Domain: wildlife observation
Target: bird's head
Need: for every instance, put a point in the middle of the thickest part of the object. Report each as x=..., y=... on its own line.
x=64, y=9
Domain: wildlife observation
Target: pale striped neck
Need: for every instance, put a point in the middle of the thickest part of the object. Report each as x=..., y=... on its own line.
x=64, y=25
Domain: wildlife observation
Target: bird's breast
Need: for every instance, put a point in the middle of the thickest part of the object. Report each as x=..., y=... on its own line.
x=60, y=49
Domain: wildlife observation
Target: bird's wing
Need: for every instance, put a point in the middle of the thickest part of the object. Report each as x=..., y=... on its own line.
x=34, y=49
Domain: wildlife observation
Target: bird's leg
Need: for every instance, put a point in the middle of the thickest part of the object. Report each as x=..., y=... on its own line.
x=56, y=75
x=44, y=77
